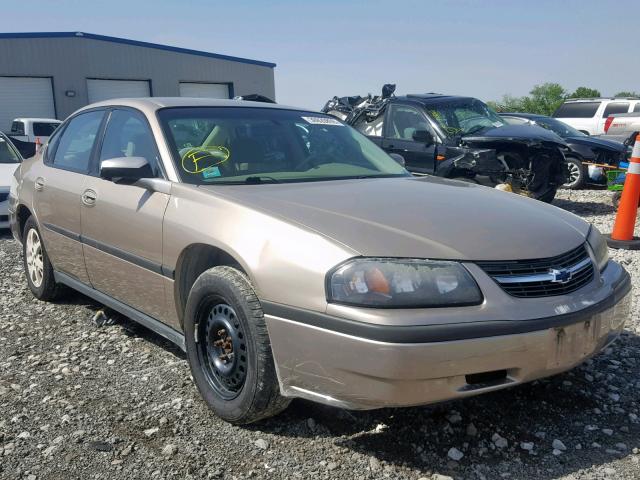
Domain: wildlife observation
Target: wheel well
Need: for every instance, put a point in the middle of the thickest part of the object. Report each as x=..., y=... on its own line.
x=22, y=214
x=193, y=261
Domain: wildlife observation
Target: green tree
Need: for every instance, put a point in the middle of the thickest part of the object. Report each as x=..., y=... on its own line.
x=585, y=92
x=545, y=98
x=508, y=103
x=627, y=94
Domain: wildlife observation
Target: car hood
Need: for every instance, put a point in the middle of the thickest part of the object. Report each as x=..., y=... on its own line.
x=426, y=217
x=6, y=172
x=515, y=133
x=597, y=142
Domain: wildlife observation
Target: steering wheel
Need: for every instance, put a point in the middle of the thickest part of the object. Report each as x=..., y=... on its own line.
x=311, y=161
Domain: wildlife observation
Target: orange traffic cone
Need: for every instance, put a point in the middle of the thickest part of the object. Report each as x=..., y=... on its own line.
x=622, y=235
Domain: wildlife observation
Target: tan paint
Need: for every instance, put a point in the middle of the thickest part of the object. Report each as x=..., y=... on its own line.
x=288, y=236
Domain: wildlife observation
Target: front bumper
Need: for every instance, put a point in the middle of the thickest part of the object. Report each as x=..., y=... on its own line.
x=342, y=369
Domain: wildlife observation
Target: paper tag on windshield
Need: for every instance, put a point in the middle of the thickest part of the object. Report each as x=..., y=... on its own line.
x=322, y=121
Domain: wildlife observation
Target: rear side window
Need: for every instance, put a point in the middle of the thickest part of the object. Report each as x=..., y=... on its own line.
x=74, y=147
x=17, y=128
x=372, y=128
x=42, y=129
x=577, y=110
x=615, y=107
x=637, y=107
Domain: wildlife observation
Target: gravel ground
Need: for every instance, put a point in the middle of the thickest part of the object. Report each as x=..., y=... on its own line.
x=82, y=401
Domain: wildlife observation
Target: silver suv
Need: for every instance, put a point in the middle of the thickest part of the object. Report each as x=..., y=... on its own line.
x=291, y=257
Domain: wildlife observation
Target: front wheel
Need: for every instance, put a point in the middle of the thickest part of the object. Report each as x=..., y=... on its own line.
x=577, y=177
x=228, y=348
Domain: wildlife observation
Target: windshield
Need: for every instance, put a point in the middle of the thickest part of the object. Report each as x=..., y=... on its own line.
x=561, y=128
x=231, y=145
x=463, y=116
x=8, y=154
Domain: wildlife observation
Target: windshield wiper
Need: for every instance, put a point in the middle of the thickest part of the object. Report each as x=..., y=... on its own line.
x=261, y=179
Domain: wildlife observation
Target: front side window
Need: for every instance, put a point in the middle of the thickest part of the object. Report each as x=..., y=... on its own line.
x=637, y=107
x=463, y=116
x=615, y=107
x=404, y=121
x=8, y=154
x=238, y=145
x=129, y=135
x=74, y=146
x=44, y=129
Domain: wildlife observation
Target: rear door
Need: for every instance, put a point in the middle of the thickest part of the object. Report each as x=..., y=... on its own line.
x=59, y=182
x=403, y=123
x=609, y=109
x=122, y=224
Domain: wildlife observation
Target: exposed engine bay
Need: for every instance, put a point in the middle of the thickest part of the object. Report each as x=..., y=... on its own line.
x=458, y=137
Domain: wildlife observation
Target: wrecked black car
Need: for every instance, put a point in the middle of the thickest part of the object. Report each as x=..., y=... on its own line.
x=588, y=157
x=459, y=137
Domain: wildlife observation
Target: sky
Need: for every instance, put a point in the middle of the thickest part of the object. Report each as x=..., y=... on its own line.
x=324, y=48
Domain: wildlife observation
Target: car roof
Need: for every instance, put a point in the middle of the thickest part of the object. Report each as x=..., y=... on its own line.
x=599, y=99
x=424, y=97
x=34, y=119
x=152, y=104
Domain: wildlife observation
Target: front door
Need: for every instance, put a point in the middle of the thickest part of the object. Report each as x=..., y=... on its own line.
x=122, y=224
x=59, y=183
x=403, y=121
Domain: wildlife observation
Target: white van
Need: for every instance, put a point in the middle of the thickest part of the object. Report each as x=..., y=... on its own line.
x=590, y=114
x=28, y=129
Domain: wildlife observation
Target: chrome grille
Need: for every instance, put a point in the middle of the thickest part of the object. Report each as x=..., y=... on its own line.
x=544, y=277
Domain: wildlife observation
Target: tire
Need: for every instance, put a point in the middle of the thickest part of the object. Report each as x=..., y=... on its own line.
x=228, y=348
x=547, y=196
x=37, y=267
x=577, y=174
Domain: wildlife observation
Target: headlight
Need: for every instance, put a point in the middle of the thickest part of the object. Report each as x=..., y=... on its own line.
x=396, y=283
x=599, y=246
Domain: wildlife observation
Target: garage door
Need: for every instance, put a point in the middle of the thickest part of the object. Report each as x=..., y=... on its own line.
x=99, y=90
x=25, y=97
x=204, y=90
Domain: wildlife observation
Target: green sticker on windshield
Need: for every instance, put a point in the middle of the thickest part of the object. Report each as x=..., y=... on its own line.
x=211, y=172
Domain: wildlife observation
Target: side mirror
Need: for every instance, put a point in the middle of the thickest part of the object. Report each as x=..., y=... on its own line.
x=423, y=136
x=125, y=169
x=398, y=158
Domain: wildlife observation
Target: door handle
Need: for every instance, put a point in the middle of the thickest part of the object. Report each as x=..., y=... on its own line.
x=89, y=198
x=39, y=184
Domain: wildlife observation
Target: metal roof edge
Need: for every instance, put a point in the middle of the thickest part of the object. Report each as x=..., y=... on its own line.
x=137, y=43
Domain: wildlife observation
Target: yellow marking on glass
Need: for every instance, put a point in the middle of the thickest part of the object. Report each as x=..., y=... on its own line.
x=198, y=159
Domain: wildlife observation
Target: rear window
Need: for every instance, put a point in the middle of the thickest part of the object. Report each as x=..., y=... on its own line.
x=577, y=110
x=17, y=128
x=42, y=129
x=615, y=107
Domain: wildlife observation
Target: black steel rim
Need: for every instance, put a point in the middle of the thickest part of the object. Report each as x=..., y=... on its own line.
x=222, y=349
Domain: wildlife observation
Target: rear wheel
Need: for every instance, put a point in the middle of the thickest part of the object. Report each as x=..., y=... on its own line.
x=228, y=348
x=577, y=177
x=37, y=267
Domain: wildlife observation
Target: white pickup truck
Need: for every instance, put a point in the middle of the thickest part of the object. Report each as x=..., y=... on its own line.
x=621, y=125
